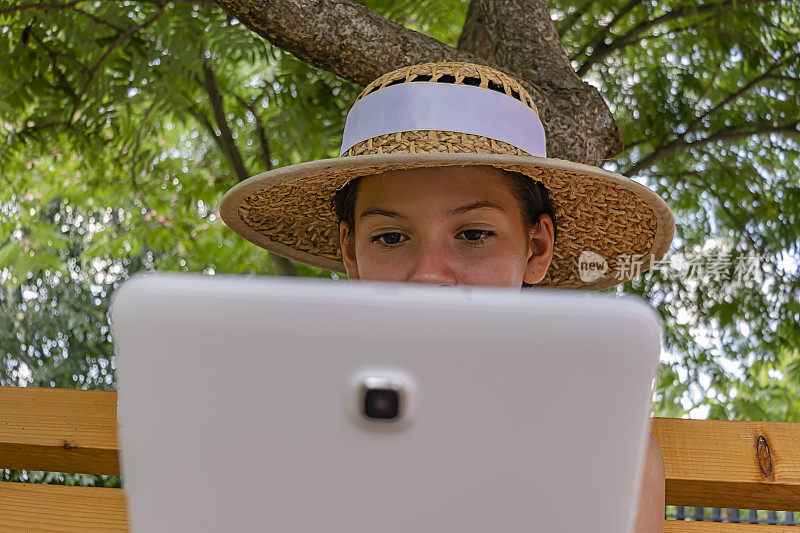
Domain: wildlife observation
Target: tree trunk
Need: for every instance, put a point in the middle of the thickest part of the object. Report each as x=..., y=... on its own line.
x=518, y=38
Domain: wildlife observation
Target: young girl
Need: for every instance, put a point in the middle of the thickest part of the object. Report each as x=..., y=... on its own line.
x=442, y=178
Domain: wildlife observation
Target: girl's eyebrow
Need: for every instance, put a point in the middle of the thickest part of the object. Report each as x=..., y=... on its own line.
x=385, y=212
x=481, y=204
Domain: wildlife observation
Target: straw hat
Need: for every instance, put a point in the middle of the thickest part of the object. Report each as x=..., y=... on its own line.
x=446, y=114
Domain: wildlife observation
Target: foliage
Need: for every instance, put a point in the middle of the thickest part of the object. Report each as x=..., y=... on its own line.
x=125, y=122
x=706, y=99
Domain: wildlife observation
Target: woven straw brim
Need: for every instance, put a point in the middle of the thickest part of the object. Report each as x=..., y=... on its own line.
x=289, y=210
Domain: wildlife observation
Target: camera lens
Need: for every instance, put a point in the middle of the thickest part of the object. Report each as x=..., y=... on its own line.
x=382, y=399
x=382, y=404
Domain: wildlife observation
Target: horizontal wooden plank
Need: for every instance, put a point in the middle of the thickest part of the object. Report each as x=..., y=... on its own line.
x=59, y=430
x=679, y=526
x=708, y=463
x=739, y=465
x=30, y=507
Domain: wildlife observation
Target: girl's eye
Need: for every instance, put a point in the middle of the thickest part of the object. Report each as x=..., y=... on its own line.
x=388, y=239
x=475, y=236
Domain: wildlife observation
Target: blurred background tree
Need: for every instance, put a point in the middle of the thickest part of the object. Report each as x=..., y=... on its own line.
x=125, y=122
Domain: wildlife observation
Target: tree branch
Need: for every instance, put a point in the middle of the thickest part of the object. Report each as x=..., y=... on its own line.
x=636, y=143
x=711, y=83
x=725, y=134
x=40, y=5
x=731, y=134
x=135, y=148
x=679, y=143
x=227, y=145
x=54, y=53
x=573, y=17
x=161, y=2
x=98, y=20
x=632, y=36
x=42, y=125
x=359, y=45
x=121, y=39
x=203, y=120
x=732, y=96
x=785, y=78
x=226, y=140
x=266, y=156
x=601, y=35
x=672, y=31
x=340, y=36
x=70, y=5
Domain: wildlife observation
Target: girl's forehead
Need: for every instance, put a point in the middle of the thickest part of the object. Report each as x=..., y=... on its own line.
x=453, y=181
x=441, y=189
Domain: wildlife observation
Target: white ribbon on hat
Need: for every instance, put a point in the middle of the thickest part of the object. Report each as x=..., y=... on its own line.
x=447, y=107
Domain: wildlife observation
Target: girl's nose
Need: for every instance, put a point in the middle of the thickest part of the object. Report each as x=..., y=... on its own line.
x=432, y=266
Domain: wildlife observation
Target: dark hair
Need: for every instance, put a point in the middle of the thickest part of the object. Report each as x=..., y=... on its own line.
x=533, y=198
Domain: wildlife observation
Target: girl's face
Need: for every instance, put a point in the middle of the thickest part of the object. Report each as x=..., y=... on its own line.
x=447, y=226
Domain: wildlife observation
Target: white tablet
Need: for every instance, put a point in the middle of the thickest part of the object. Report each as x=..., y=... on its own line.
x=309, y=405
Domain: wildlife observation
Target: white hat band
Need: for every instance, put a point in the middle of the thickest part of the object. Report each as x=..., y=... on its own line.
x=445, y=107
